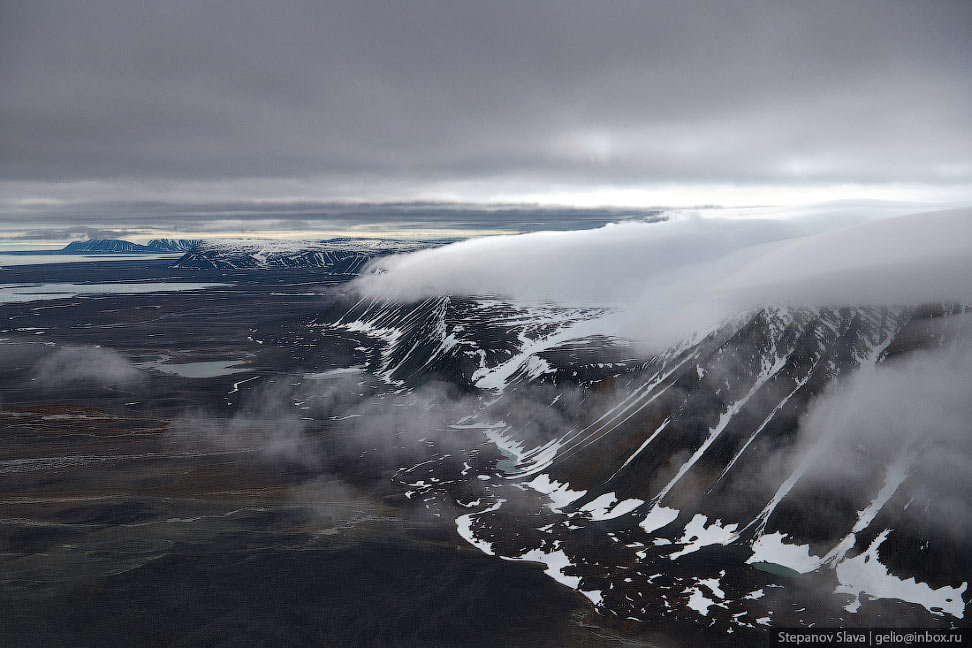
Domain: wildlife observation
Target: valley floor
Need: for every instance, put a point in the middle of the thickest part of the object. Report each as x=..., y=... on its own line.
x=114, y=531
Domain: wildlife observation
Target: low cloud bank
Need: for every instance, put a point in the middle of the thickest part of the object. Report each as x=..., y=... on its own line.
x=672, y=278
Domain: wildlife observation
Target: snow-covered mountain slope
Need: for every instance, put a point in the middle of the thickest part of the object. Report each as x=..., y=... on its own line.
x=340, y=256
x=172, y=245
x=792, y=466
x=471, y=343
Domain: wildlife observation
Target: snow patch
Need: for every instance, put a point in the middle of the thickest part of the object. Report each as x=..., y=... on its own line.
x=556, y=562
x=865, y=574
x=658, y=517
x=607, y=507
x=699, y=601
x=696, y=535
x=560, y=494
x=464, y=526
x=770, y=548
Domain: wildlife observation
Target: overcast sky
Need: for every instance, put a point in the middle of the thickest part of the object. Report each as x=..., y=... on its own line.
x=569, y=103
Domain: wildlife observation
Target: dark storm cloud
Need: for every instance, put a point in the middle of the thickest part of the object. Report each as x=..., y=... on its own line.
x=572, y=92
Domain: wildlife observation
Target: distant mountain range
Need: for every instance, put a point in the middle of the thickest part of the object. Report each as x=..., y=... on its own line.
x=118, y=246
x=337, y=256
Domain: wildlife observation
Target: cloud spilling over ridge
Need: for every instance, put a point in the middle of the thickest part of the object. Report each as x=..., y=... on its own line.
x=602, y=265
x=688, y=273
x=899, y=260
x=908, y=260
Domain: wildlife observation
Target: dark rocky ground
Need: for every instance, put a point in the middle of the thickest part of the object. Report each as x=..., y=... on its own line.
x=223, y=550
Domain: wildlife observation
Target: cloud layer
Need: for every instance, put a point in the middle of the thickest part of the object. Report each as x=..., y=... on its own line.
x=539, y=96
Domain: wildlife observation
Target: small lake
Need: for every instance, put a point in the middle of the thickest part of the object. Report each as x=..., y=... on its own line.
x=508, y=464
x=203, y=369
x=20, y=293
x=35, y=259
x=209, y=369
x=333, y=373
x=776, y=570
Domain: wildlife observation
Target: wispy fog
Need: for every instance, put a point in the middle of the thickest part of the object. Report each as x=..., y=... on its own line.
x=266, y=424
x=904, y=419
x=75, y=365
x=275, y=420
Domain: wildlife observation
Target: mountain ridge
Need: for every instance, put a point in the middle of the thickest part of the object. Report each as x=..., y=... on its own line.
x=341, y=256
x=119, y=246
x=631, y=478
